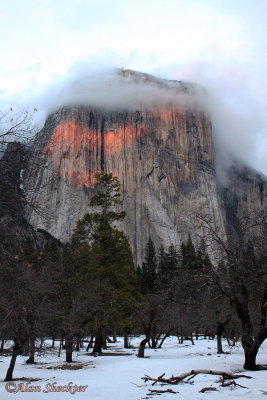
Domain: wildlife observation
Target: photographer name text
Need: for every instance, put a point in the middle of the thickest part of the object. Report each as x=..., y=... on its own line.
x=70, y=388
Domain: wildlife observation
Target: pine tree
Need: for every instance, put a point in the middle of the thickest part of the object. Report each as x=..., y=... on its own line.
x=168, y=265
x=162, y=260
x=188, y=252
x=149, y=266
x=172, y=260
x=112, y=281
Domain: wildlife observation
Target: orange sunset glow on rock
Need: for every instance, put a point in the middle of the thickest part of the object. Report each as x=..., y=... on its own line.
x=90, y=142
x=73, y=148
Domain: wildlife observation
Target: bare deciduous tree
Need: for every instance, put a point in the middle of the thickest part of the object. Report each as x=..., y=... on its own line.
x=15, y=127
x=240, y=278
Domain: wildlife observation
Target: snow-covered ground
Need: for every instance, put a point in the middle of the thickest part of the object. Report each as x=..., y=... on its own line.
x=118, y=377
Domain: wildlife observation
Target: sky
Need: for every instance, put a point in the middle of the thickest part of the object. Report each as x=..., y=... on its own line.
x=220, y=44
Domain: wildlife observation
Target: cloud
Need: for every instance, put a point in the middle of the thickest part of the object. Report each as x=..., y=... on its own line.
x=237, y=106
x=116, y=88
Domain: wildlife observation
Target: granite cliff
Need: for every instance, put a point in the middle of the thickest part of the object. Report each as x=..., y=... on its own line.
x=162, y=154
x=13, y=224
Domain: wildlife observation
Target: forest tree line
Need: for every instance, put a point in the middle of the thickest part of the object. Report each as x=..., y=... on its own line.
x=89, y=288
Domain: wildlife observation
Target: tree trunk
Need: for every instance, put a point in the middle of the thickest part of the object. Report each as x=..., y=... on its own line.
x=219, y=331
x=2, y=344
x=191, y=339
x=125, y=340
x=68, y=346
x=90, y=343
x=114, y=337
x=250, y=360
x=141, y=351
x=9, y=374
x=162, y=340
x=17, y=349
x=98, y=342
x=153, y=343
x=78, y=344
x=250, y=342
x=53, y=343
x=104, y=340
x=60, y=347
x=219, y=343
x=32, y=351
x=252, y=350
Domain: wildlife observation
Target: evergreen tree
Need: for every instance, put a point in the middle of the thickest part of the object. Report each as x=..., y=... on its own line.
x=162, y=260
x=112, y=281
x=149, y=267
x=188, y=253
x=168, y=265
x=172, y=260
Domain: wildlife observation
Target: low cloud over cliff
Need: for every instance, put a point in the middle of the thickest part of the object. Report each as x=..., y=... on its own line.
x=115, y=88
x=237, y=104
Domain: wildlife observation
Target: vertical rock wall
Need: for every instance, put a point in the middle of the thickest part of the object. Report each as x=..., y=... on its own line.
x=163, y=159
x=162, y=155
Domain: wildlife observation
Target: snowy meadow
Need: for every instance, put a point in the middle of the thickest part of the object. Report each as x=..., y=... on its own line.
x=117, y=373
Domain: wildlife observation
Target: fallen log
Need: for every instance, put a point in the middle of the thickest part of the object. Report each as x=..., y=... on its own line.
x=154, y=391
x=225, y=375
x=206, y=389
x=232, y=383
x=174, y=380
x=160, y=377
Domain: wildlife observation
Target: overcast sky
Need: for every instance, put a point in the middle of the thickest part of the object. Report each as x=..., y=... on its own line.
x=218, y=43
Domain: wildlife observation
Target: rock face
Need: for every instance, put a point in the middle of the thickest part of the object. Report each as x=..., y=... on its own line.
x=11, y=205
x=13, y=224
x=163, y=158
x=245, y=194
